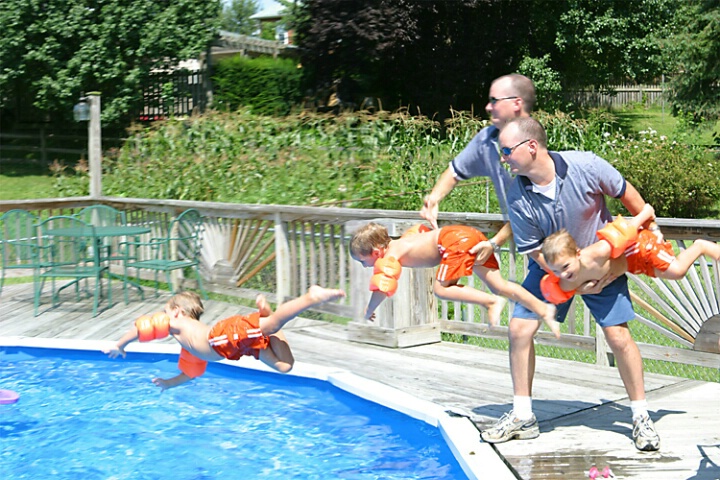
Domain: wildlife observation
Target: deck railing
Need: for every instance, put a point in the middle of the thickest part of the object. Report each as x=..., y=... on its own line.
x=281, y=250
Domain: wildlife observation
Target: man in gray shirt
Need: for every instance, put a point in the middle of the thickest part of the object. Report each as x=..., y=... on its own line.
x=511, y=96
x=554, y=191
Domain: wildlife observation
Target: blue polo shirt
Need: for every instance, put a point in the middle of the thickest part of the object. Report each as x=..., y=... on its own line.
x=582, y=181
x=481, y=158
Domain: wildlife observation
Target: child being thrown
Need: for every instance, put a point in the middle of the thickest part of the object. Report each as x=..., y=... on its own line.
x=449, y=248
x=257, y=334
x=624, y=248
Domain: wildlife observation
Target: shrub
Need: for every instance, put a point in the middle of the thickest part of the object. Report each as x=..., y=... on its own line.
x=679, y=180
x=265, y=85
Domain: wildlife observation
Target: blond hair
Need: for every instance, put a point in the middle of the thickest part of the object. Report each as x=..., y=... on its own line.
x=529, y=128
x=558, y=244
x=189, y=302
x=367, y=238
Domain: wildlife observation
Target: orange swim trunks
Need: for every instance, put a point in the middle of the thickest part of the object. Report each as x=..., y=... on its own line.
x=647, y=254
x=454, y=242
x=237, y=336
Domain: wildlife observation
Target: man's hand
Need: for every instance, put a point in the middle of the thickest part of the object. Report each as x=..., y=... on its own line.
x=429, y=211
x=483, y=250
x=596, y=286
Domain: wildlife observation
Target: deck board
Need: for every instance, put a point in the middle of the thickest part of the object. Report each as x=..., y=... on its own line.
x=583, y=409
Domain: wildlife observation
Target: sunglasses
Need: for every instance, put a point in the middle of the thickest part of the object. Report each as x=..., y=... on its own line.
x=507, y=151
x=493, y=100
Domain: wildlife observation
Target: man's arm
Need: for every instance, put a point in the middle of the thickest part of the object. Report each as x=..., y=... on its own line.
x=633, y=201
x=445, y=184
x=635, y=204
x=486, y=248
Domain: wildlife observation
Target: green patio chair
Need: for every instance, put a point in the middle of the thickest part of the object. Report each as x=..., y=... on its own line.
x=18, y=242
x=105, y=216
x=68, y=250
x=179, y=249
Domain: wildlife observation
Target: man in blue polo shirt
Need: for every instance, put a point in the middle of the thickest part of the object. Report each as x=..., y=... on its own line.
x=554, y=191
x=511, y=96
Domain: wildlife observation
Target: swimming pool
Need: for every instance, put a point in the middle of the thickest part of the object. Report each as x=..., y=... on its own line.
x=81, y=415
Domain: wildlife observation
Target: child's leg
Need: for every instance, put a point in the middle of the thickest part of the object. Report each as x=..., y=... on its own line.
x=517, y=293
x=461, y=293
x=687, y=257
x=278, y=354
x=290, y=309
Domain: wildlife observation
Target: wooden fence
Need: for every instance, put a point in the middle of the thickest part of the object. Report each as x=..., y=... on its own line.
x=617, y=96
x=281, y=250
x=44, y=144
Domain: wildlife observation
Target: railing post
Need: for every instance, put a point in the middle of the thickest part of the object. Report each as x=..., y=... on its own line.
x=603, y=354
x=95, y=145
x=282, y=260
x=406, y=319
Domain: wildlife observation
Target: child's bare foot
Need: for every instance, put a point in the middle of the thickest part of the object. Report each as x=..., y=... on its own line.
x=319, y=294
x=495, y=310
x=263, y=306
x=549, y=319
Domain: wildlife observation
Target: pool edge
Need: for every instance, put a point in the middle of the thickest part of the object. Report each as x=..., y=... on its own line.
x=476, y=458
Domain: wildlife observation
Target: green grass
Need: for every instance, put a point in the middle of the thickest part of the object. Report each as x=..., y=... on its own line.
x=25, y=180
x=635, y=119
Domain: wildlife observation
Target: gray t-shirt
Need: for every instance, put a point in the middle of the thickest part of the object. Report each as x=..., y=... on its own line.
x=480, y=158
x=582, y=181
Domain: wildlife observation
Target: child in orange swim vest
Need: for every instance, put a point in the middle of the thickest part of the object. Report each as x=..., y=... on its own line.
x=257, y=334
x=624, y=248
x=449, y=247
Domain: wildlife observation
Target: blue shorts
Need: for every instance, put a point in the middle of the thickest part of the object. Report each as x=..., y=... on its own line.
x=610, y=307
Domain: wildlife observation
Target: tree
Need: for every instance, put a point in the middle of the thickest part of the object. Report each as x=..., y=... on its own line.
x=603, y=43
x=695, y=49
x=52, y=50
x=428, y=55
x=236, y=16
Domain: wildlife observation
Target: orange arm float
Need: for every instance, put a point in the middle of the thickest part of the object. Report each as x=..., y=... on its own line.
x=550, y=288
x=190, y=365
x=415, y=229
x=151, y=327
x=619, y=234
x=386, y=274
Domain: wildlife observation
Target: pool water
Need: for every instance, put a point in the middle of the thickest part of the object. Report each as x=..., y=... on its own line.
x=83, y=416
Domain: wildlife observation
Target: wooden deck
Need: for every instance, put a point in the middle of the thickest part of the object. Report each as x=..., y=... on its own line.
x=583, y=409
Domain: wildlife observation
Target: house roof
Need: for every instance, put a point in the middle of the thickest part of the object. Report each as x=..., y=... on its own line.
x=274, y=11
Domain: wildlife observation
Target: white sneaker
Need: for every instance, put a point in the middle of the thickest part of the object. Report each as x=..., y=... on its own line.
x=644, y=435
x=510, y=427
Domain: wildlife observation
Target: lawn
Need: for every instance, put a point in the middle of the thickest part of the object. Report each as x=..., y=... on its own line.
x=636, y=119
x=25, y=180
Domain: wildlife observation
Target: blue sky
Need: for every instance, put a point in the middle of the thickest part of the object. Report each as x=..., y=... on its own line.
x=265, y=4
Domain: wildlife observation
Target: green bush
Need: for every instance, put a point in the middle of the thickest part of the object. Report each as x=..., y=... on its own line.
x=679, y=180
x=265, y=85
x=384, y=161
